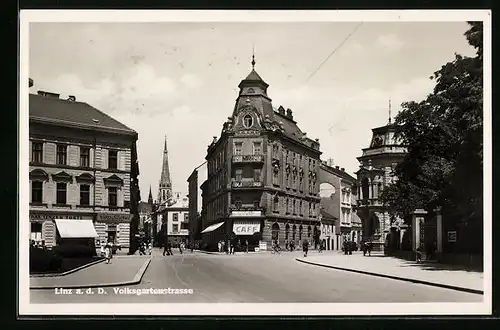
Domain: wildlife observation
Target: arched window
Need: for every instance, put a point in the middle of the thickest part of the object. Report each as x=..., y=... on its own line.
x=294, y=232
x=275, y=231
x=287, y=231
x=248, y=121
x=276, y=203
x=300, y=232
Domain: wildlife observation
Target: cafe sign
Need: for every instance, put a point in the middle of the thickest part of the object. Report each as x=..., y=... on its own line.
x=246, y=228
x=114, y=217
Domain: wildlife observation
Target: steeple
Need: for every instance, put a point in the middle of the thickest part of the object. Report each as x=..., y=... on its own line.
x=165, y=189
x=150, y=198
x=390, y=119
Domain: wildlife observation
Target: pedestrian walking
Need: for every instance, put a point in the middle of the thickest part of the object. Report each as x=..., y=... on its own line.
x=305, y=247
x=180, y=247
x=286, y=245
x=219, y=246
x=108, y=252
x=246, y=246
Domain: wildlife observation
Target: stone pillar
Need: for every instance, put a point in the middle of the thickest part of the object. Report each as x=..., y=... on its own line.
x=439, y=228
x=370, y=188
x=418, y=217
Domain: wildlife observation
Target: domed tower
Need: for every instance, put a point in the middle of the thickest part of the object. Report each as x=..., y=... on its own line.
x=376, y=171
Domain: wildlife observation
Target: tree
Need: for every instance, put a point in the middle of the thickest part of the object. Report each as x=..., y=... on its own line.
x=444, y=137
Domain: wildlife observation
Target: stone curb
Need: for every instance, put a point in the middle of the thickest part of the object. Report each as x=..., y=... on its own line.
x=137, y=279
x=445, y=286
x=69, y=271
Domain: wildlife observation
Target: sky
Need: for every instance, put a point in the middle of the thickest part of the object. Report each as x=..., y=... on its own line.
x=180, y=80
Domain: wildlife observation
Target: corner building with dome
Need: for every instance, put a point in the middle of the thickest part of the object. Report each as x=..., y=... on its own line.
x=263, y=176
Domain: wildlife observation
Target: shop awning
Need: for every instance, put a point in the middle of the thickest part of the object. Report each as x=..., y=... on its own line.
x=70, y=228
x=212, y=227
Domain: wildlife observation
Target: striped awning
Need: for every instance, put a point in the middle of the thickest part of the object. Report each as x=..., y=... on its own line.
x=212, y=227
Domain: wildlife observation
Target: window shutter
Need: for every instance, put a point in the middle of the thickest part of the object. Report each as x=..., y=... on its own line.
x=121, y=160
x=118, y=160
x=105, y=197
x=77, y=155
x=119, y=196
x=104, y=158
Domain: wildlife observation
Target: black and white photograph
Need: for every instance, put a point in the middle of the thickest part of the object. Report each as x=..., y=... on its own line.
x=255, y=162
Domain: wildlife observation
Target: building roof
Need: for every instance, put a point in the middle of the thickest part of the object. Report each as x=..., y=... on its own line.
x=327, y=215
x=290, y=127
x=145, y=207
x=72, y=113
x=179, y=203
x=253, y=75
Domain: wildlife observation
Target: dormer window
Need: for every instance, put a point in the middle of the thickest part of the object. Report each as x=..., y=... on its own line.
x=247, y=121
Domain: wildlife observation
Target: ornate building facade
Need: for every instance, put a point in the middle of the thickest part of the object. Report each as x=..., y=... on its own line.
x=376, y=171
x=263, y=173
x=83, y=166
x=338, y=200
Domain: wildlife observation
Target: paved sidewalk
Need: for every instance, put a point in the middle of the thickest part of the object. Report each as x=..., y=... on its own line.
x=122, y=270
x=451, y=277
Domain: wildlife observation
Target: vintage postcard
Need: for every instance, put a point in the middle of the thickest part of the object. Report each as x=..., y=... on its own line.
x=255, y=163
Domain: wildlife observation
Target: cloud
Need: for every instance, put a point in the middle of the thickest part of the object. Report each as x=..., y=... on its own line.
x=191, y=81
x=390, y=42
x=351, y=48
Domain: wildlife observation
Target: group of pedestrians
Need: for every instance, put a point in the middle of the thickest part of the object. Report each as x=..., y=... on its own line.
x=229, y=246
x=167, y=248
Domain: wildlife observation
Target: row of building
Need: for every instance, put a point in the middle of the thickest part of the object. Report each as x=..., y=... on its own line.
x=263, y=181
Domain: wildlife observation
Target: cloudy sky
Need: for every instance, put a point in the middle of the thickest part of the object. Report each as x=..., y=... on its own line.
x=180, y=79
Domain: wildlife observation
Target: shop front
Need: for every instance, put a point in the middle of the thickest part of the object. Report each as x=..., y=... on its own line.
x=247, y=227
x=113, y=227
x=44, y=230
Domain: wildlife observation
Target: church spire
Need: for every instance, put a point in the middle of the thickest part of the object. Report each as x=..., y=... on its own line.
x=165, y=189
x=390, y=119
x=150, y=198
x=253, y=57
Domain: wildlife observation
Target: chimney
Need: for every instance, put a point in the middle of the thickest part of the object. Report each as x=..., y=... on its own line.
x=289, y=113
x=330, y=162
x=48, y=94
x=337, y=167
x=30, y=82
x=342, y=169
x=281, y=110
x=71, y=98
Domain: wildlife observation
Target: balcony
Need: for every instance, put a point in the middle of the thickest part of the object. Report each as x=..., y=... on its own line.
x=259, y=158
x=369, y=202
x=246, y=184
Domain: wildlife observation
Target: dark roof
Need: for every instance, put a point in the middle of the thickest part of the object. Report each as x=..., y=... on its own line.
x=73, y=113
x=291, y=128
x=145, y=207
x=253, y=75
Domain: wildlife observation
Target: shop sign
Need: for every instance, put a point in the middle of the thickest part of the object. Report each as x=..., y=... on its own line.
x=246, y=213
x=262, y=245
x=246, y=228
x=452, y=236
x=52, y=216
x=114, y=217
x=182, y=232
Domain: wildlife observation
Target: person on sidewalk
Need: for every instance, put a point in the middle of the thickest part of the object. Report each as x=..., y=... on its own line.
x=181, y=247
x=108, y=252
x=305, y=247
x=246, y=246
